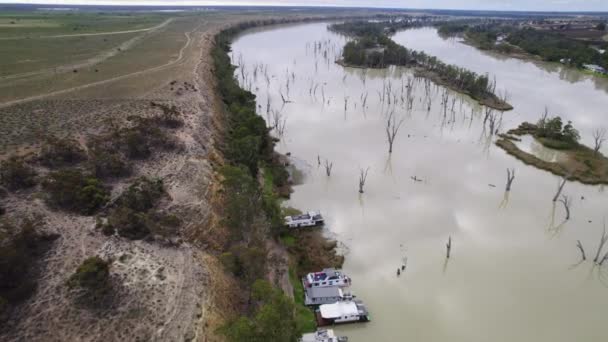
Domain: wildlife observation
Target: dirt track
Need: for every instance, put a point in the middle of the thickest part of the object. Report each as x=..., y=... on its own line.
x=109, y=80
x=164, y=23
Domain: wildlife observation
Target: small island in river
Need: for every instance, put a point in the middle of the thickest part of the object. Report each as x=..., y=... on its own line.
x=582, y=164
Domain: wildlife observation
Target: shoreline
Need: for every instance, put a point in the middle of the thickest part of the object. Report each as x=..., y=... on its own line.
x=434, y=77
x=582, y=164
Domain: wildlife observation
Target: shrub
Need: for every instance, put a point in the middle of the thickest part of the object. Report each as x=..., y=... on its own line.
x=59, y=152
x=245, y=263
x=128, y=223
x=273, y=319
x=142, y=195
x=92, y=276
x=133, y=216
x=170, y=116
x=16, y=174
x=20, y=247
x=70, y=189
x=139, y=140
x=104, y=164
x=242, y=202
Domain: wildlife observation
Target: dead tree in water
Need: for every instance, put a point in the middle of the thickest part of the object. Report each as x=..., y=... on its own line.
x=603, y=240
x=580, y=246
x=560, y=188
x=599, y=136
x=566, y=202
x=448, y=247
x=392, y=128
x=328, y=167
x=362, y=179
x=510, y=178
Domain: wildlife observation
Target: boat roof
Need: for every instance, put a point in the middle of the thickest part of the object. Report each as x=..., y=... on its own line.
x=325, y=274
x=319, y=335
x=322, y=292
x=338, y=309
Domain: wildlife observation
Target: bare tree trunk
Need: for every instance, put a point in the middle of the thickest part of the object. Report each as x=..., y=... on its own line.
x=392, y=128
x=510, y=178
x=603, y=240
x=559, y=189
x=599, y=136
x=580, y=246
x=362, y=179
x=566, y=202
x=328, y=167
x=448, y=247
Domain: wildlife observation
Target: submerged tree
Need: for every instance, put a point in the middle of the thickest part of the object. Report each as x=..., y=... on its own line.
x=362, y=179
x=392, y=128
x=328, y=167
x=510, y=178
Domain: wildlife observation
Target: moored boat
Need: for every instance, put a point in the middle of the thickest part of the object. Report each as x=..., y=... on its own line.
x=327, y=277
x=350, y=311
x=309, y=219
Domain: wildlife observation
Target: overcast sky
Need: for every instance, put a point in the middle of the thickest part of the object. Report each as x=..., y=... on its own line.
x=521, y=5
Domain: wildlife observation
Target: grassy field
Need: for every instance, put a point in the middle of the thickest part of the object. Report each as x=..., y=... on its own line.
x=36, y=24
x=20, y=56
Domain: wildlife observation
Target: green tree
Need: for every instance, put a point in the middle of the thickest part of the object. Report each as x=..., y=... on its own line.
x=242, y=201
x=92, y=276
x=70, y=189
x=273, y=320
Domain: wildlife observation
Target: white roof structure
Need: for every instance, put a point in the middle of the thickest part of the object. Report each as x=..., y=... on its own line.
x=339, y=309
x=320, y=336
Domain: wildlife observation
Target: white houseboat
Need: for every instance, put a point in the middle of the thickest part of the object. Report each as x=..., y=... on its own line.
x=327, y=277
x=342, y=312
x=309, y=219
x=325, y=295
x=323, y=335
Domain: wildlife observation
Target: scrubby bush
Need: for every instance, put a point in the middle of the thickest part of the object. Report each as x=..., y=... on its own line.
x=142, y=195
x=93, y=277
x=246, y=263
x=20, y=247
x=105, y=164
x=170, y=116
x=57, y=152
x=134, y=216
x=242, y=201
x=128, y=223
x=71, y=189
x=16, y=174
x=274, y=318
x=139, y=140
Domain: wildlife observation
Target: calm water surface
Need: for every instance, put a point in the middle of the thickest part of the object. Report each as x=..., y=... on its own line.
x=514, y=274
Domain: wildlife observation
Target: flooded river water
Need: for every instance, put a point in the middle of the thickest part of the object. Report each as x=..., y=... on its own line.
x=515, y=272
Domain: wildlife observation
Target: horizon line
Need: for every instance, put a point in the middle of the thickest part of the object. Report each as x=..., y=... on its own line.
x=3, y=3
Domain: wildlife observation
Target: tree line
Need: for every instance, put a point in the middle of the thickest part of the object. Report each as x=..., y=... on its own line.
x=550, y=46
x=375, y=49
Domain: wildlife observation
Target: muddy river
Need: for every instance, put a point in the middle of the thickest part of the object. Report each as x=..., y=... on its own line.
x=515, y=273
